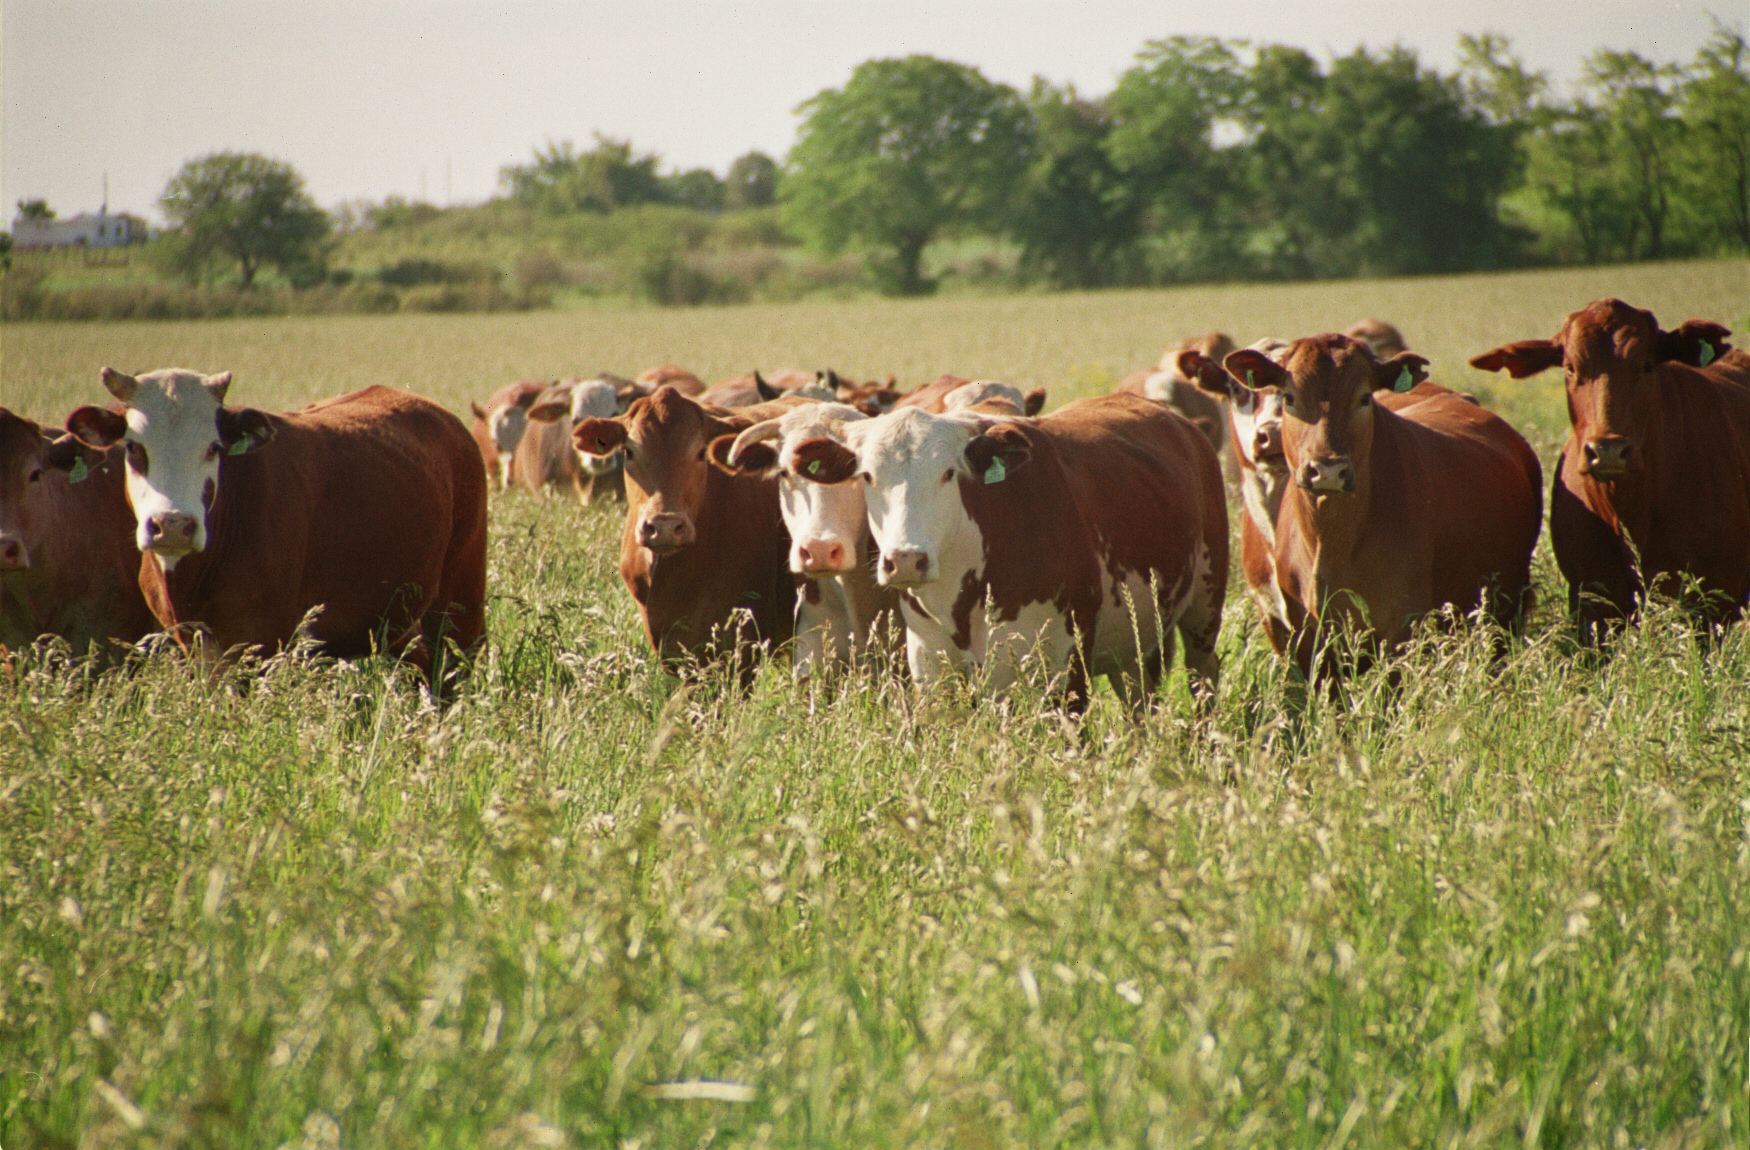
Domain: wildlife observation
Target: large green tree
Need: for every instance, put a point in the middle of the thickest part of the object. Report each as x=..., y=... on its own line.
x=1077, y=217
x=561, y=179
x=906, y=151
x=1715, y=104
x=246, y=208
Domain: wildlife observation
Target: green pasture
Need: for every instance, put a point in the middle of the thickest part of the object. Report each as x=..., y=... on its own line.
x=1505, y=904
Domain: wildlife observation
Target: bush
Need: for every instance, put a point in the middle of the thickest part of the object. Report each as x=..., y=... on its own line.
x=414, y=272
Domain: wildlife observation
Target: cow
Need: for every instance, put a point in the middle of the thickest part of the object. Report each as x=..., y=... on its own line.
x=870, y=398
x=841, y=611
x=703, y=553
x=547, y=454
x=1390, y=515
x=668, y=375
x=1167, y=384
x=68, y=562
x=933, y=396
x=750, y=388
x=1088, y=534
x=1382, y=338
x=1653, y=485
x=366, y=512
x=989, y=396
x=499, y=426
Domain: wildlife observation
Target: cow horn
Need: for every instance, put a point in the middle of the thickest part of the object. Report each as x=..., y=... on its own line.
x=766, y=391
x=758, y=433
x=218, y=385
x=119, y=385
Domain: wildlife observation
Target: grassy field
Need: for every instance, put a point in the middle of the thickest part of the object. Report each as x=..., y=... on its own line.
x=1504, y=905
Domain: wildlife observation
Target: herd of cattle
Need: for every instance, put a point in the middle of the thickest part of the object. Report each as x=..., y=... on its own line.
x=807, y=512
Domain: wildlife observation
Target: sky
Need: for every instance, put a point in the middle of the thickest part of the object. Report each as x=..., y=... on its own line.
x=428, y=100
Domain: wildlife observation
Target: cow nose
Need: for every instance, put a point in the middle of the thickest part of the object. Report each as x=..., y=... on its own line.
x=1607, y=455
x=665, y=532
x=171, y=531
x=1267, y=441
x=1333, y=473
x=13, y=556
x=905, y=567
x=820, y=556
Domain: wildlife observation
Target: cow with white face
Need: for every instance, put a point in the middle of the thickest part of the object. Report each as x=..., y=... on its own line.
x=840, y=608
x=548, y=454
x=500, y=424
x=1086, y=536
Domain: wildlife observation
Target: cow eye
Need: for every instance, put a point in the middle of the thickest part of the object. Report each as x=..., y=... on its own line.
x=867, y=478
x=628, y=450
x=948, y=475
x=1364, y=400
x=214, y=449
x=35, y=474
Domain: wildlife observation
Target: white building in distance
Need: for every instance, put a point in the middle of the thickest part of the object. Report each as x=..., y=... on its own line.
x=83, y=230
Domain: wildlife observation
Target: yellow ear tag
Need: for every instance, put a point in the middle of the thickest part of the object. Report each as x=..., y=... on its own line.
x=1707, y=354
x=1404, y=382
x=78, y=471
x=996, y=472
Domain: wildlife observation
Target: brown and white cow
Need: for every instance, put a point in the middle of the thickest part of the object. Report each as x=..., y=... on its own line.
x=68, y=564
x=1653, y=487
x=704, y=553
x=499, y=426
x=1167, y=383
x=1087, y=535
x=841, y=611
x=933, y=397
x=1390, y=515
x=369, y=507
x=549, y=456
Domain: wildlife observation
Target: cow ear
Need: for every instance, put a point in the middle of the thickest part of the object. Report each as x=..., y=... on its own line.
x=1399, y=373
x=765, y=390
x=1034, y=402
x=218, y=385
x=1522, y=359
x=756, y=458
x=825, y=460
x=549, y=411
x=119, y=385
x=597, y=436
x=998, y=451
x=243, y=429
x=1698, y=342
x=867, y=408
x=66, y=453
x=1254, y=369
x=478, y=413
x=96, y=427
x=1203, y=372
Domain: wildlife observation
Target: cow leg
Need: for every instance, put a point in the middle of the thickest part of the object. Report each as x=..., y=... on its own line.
x=1599, y=568
x=1199, y=626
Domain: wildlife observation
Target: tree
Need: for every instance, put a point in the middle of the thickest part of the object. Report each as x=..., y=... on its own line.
x=1715, y=103
x=1636, y=97
x=752, y=182
x=696, y=188
x=1077, y=218
x=906, y=151
x=249, y=208
x=606, y=177
x=37, y=209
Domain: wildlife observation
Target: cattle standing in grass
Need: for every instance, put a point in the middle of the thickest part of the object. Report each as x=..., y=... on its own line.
x=548, y=455
x=1168, y=384
x=1653, y=487
x=704, y=553
x=1088, y=535
x=499, y=426
x=68, y=564
x=1391, y=515
x=840, y=607
x=370, y=507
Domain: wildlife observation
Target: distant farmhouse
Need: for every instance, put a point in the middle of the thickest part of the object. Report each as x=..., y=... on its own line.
x=83, y=230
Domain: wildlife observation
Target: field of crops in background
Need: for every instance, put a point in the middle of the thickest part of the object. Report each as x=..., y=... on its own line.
x=293, y=906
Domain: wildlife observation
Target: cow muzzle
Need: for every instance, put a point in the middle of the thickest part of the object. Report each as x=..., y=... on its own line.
x=822, y=557
x=1334, y=473
x=1267, y=442
x=171, y=533
x=13, y=556
x=1607, y=457
x=905, y=568
x=665, y=532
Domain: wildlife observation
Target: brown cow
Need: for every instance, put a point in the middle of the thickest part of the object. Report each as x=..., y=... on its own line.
x=1381, y=338
x=1653, y=487
x=369, y=508
x=68, y=564
x=499, y=426
x=669, y=375
x=704, y=553
x=933, y=396
x=547, y=454
x=1391, y=514
x=750, y=387
x=1167, y=384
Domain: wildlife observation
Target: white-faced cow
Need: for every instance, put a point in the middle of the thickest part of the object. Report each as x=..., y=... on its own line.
x=1086, y=535
x=704, y=553
x=840, y=608
x=549, y=456
x=1390, y=515
x=68, y=564
x=500, y=424
x=370, y=507
x=1653, y=487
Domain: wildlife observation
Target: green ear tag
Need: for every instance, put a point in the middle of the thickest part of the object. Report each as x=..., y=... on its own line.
x=238, y=448
x=1403, y=381
x=1249, y=382
x=78, y=471
x=814, y=467
x=1707, y=353
x=996, y=472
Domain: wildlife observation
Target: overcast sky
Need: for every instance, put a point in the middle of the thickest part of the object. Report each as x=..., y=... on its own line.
x=368, y=98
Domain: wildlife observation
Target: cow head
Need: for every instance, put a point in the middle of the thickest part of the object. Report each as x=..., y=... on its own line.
x=664, y=439
x=508, y=421
x=827, y=521
x=34, y=468
x=1327, y=384
x=178, y=433
x=1609, y=351
x=1254, y=414
x=1381, y=338
x=911, y=465
x=576, y=400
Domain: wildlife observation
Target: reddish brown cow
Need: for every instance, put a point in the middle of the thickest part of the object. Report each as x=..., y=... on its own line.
x=669, y=375
x=704, y=553
x=1653, y=487
x=750, y=387
x=1391, y=515
x=369, y=508
x=68, y=564
x=1381, y=337
x=1167, y=384
x=499, y=426
x=933, y=397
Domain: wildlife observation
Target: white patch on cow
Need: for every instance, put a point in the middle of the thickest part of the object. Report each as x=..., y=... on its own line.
x=1159, y=386
x=595, y=399
x=825, y=631
x=172, y=416
x=984, y=391
x=508, y=425
x=1128, y=628
x=913, y=461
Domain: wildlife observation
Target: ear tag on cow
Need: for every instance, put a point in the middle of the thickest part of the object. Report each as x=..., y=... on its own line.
x=78, y=471
x=1403, y=381
x=1707, y=354
x=996, y=472
x=814, y=467
x=1249, y=382
x=238, y=448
